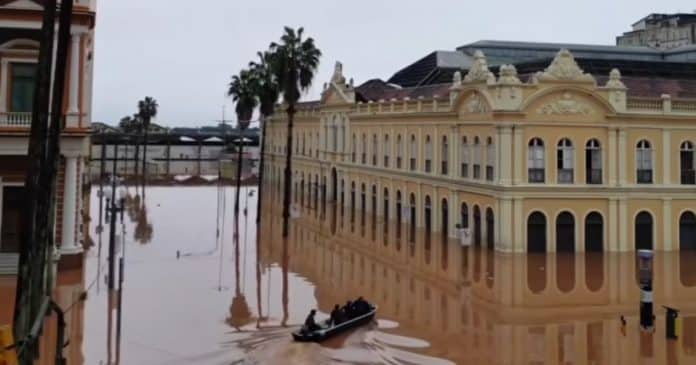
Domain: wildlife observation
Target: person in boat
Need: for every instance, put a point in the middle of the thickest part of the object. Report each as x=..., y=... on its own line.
x=336, y=316
x=360, y=307
x=310, y=324
x=347, y=310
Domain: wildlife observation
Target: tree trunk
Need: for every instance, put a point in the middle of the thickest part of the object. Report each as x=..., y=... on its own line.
x=288, y=172
x=261, y=167
x=239, y=172
x=29, y=290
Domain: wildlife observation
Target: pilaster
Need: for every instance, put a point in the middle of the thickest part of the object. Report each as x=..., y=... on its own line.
x=668, y=244
x=504, y=168
x=519, y=242
x=612, y=242
x=518, y=157
x=667, y=157
x=621, y=157
x=623, y=243
x=505, y=224
x=612, y=157
x=69, y=244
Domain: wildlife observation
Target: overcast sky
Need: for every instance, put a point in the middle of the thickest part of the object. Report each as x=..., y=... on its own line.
x=183, y=53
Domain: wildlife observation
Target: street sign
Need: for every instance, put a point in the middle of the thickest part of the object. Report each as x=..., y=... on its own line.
x=7, y=356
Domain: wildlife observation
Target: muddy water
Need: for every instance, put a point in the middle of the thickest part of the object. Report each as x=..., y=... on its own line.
x=228, y=301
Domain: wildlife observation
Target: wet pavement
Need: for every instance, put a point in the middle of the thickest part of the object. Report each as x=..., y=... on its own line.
x=227, y=301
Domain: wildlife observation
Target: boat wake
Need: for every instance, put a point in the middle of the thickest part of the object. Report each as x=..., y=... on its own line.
x=365, y=345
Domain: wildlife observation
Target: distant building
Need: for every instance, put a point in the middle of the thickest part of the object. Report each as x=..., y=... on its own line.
x=662, y=31
x=171, y=151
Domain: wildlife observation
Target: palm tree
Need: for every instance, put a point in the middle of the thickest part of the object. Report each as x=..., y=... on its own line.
x=295, y=62
x=147, y=108
x=267, y=94
x=243, y=90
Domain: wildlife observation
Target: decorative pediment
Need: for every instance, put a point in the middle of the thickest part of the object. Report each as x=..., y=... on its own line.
x=567, y=104
x=474, y=103
x=564, y=68
x=479, y=69
x=337, y=91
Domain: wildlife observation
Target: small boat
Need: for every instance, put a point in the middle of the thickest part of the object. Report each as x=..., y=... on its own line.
x=326, y=331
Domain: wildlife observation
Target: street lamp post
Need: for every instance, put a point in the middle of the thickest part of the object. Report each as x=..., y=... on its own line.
x=242, y=125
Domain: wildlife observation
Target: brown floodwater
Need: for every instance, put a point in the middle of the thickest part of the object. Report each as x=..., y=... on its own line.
x=229, y=301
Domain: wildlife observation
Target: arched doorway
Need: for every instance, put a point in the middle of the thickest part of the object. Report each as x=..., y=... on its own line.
x=399, y=219
x=444, y=232
x=565, y=232
x=352, y=204
x=363, y=207
x=374, y=213
x=687, y=231
x=644, y=231
x=302, y=190
x=385, y=216
x=536, y=232
x=334, y=185
x=594, y=232
x=412, y=226
x=427, y=218
x=490, y=229
x=477, y=226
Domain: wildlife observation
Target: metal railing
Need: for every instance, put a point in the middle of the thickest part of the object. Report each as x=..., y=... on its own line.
x=565, y=176
x=688, y=177
x=536, y=175
x=644, y=176
x=593, y=176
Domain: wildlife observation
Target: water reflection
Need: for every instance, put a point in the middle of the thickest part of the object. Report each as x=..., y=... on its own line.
x=473, y=305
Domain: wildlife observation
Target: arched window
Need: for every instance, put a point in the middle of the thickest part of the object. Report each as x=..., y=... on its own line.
x=363, y=206
x=387, y=150
x=352, y=204
x=565, y=161
x=594, y=232
x=444, y=158
x=477, y=158
x=399, y=151
x=477, y=226
x=464, y=158
x=565, y=232
x=490, y=228
x=428, y=154
x=399, y=218
x=644, y=166
x=535, y=161
x=414, y=153
x=373, y=208
x=593, y=162
x=354, y=147
x=686, y=161
x=444, y=232
x=375, y=149
x=490, y=159
x=363, y=151
x=687, y=231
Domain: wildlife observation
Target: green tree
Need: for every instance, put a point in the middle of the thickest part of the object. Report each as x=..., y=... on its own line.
x=243, y=89
x=295, y=63
x=267, y=93
x=147, y=108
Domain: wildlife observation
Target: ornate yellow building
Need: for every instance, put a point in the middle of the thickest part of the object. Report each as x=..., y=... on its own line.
x=547, y=159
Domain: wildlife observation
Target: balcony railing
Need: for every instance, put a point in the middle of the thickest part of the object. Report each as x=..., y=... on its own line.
x=464, y=170
x=644, y=176
x=594, y=176
x=565, y=176
x=536, y=175
x=688, y=177
x=15, y=119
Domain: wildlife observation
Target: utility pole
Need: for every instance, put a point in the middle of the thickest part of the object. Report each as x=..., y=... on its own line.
x=113, y=209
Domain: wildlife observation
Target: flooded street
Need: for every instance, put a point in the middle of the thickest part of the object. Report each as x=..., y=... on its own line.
x=226, y=303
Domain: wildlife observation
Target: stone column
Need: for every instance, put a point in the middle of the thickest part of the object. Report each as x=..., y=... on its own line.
x=519, y=155
x=505, y=224
x=68, y=238
x=623, y=245
x=612, y=241
x=519, y=243
x=505, y=155
x=73, y=107
x=667, y=157
x=621, y=157
x=612, y=158
x=668, y=244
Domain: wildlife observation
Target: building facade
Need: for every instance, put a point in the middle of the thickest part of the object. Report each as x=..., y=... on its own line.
x=20, y=23
x=663, y=31
x=552, y=160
